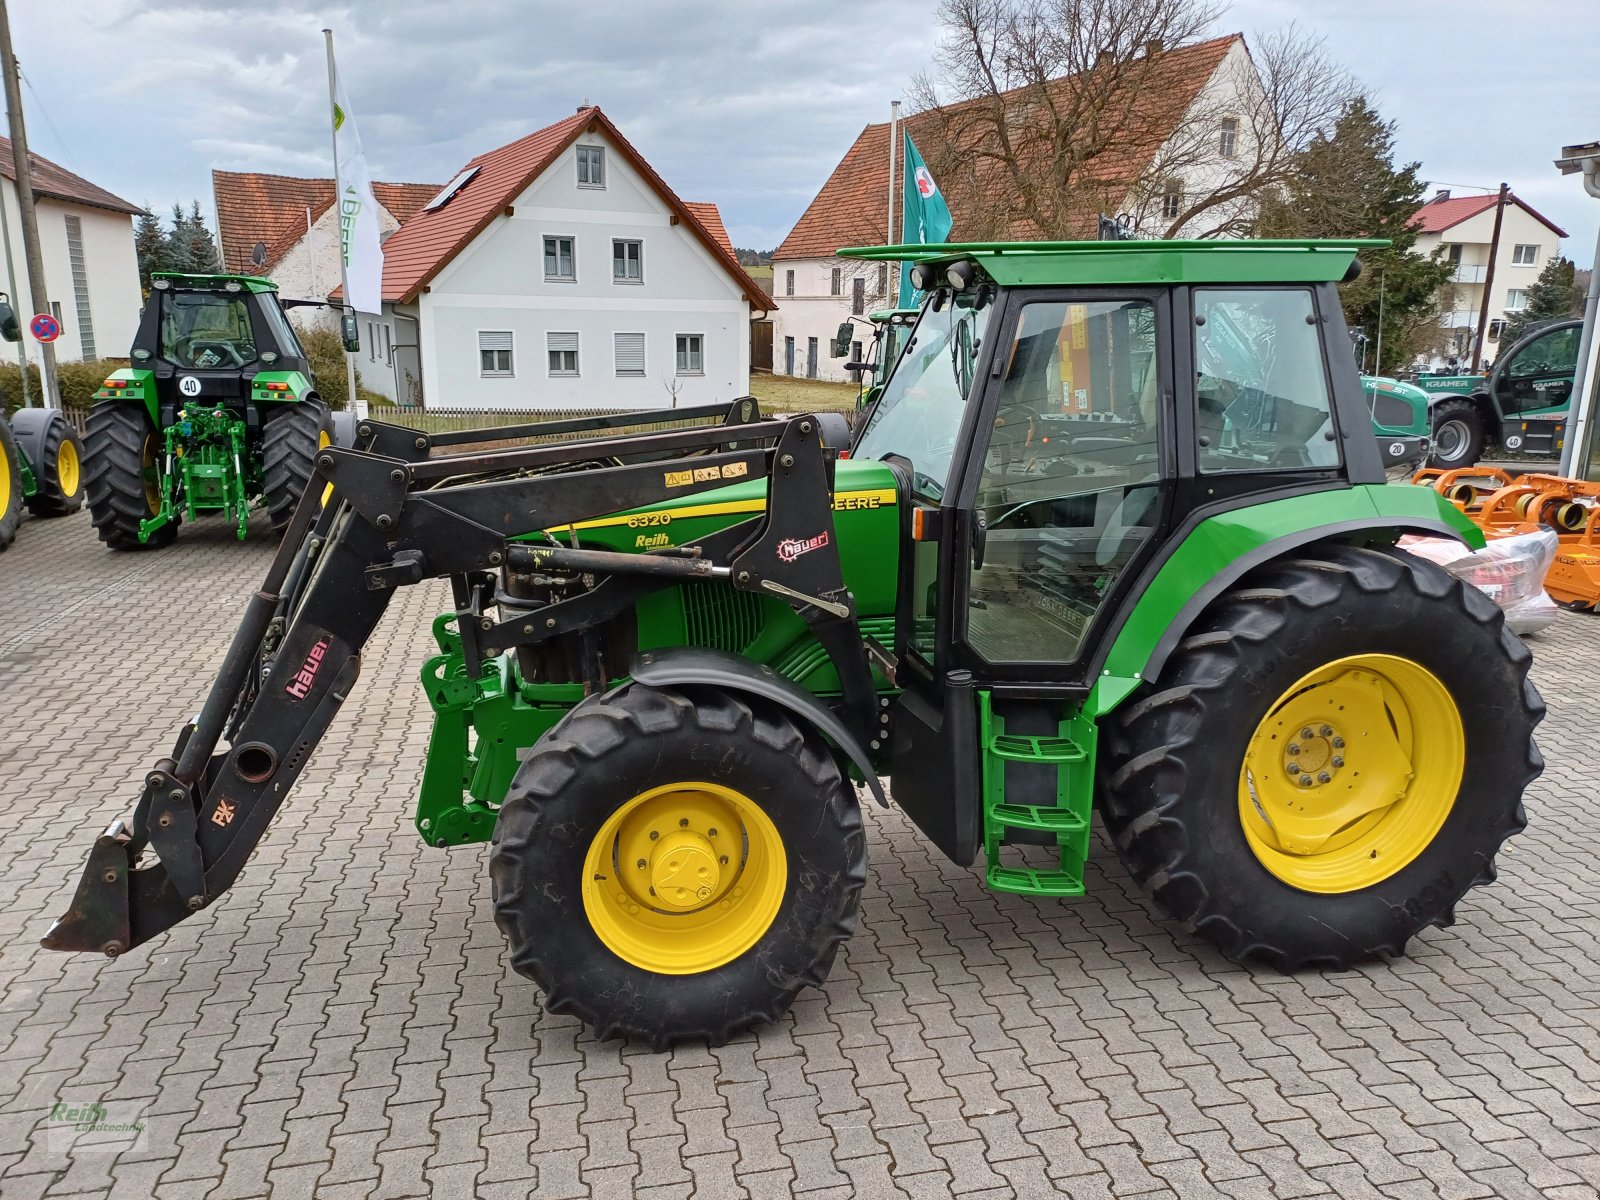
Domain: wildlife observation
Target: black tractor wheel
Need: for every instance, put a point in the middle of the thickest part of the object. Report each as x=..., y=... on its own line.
x=1457, y=435
x=676, y=864
x=288, y=450
x=10, y=484
x=1329, y=760
x=55, y=452
x=122, y=476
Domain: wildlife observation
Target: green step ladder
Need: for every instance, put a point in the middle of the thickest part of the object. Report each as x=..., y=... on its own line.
x=1071, y=752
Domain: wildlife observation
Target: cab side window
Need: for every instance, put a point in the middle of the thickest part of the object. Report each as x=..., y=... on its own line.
x=1261, y=388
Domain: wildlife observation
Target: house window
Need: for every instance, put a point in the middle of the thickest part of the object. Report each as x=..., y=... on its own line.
x=629, y=351
x=627, y=260
x=1496, y=327
x=388, y=345
x=858, y=296
x=883, y=280
x=494, y=353
x=559, y=259
x=1172, y=200
x=372, y=341
x=691, y=353
x=1523, y=255
x=563, y=348
x=834, y=286
x=1228, y=137
x=1516, y=299
x=591, y=166
x=788, y=283
x=80, y=284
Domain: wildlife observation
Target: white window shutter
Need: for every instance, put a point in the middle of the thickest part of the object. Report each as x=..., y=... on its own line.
x=563, y=341
x=494, y=339
x=630, y=353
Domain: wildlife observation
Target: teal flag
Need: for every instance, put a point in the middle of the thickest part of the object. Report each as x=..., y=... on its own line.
x=924, y=216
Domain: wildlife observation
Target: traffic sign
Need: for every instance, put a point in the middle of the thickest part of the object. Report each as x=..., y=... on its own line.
x=44, y=327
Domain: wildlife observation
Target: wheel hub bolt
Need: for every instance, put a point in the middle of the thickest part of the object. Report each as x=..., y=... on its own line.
x=1294, y=768
x=1294, y=748
x=1323, y=777
x=1305, y=781
x=643, y=863
x=1306, y=733
x=1338, y=743
x=1325, y=730
x=1337, y=762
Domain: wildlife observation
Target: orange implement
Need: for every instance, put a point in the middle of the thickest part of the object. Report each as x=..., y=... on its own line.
x=1501, y=505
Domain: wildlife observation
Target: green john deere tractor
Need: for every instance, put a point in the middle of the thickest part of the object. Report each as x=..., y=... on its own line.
x=40, y=457
x=671, y=657
x=218, y=413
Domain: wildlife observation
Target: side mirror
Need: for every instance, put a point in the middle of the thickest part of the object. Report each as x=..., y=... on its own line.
x=9, y=329
x=350, y=332
x=853, y=365
x=842, y=339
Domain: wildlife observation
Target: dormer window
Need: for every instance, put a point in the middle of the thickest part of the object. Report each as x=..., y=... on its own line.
x=591, y=166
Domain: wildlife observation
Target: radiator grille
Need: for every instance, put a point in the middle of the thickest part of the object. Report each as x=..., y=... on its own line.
x=720, y=617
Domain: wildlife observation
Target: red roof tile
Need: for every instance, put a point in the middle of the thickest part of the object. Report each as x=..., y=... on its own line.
x=1436, y=216
x=424, y=245
x=254, y=207
x=58, y=183
x=852, y=207
x=712, y=220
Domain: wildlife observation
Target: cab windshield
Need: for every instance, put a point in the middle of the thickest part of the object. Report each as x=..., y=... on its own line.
x=206, y=330
x=919, y=414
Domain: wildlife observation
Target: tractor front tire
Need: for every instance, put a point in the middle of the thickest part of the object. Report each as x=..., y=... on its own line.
x=289, y=448
x=122, y=476
x=58, y=466
x=10, y=484
x=1329, y=760
x=1457, y=435
x=676, y=864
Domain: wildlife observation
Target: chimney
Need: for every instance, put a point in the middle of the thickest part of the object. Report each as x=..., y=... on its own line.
x=1441, y=194
x=585, y=106
x=1152, y=47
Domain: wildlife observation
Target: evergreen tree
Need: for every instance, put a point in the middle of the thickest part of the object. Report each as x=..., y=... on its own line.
x=150, y=246
x=1553, y=295
x=203, y=254
x=1346, y=185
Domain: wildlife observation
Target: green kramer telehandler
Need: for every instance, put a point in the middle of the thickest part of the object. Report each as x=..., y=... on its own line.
x=218, y=413
x=669, y=655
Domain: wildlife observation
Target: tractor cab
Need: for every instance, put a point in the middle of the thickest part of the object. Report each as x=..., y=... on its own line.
x=205, y=338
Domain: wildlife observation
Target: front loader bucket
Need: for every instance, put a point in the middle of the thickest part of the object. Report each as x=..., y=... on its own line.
x=117, y=905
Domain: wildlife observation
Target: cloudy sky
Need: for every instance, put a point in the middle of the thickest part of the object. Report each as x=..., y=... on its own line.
x=746, y=104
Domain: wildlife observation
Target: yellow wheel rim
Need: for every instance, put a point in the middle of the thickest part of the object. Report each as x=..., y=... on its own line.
x=684, y=878
x=5, y=480
x=67, y=468
x=323, y=442
x=1352, y=773
x=152, y=473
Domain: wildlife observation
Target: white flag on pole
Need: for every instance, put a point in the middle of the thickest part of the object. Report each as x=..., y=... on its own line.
x=359, y=235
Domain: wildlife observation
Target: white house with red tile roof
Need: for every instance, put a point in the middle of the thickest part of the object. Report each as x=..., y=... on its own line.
x=1185, y=116
x=561, y=272
x=1463, y=226
x=90, y=268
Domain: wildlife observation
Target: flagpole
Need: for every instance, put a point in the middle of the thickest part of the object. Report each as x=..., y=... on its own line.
x=894, y=145
x=355, y=404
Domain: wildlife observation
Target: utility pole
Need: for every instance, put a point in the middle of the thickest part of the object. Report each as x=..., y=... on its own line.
x=1488, y=279
x=894, y=146
x=11, y=284
x=354, y=401
x=38, y=292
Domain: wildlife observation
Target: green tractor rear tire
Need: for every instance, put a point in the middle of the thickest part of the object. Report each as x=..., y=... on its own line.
x=10, y=485
x=676, y=864
x=1330, y=759
x=122, y=476
x=288, y=451
x=55, y=452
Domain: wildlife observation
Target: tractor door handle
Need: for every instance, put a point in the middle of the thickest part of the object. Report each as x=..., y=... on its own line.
x=980, y=538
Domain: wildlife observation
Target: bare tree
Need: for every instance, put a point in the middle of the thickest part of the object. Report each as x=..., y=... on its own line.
x=1043, y=113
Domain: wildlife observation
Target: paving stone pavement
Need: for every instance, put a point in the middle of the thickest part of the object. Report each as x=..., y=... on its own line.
x=342, y=1025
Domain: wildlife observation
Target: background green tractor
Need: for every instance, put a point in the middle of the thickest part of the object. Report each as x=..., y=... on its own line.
x=217, y=413
x=670, y=658
x=41, y=459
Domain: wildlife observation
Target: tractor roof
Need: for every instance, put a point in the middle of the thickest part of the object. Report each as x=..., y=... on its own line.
x=215, y=283
x=1018, y=264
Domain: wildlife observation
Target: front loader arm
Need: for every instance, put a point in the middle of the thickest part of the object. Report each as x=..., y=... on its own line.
x=297, y=652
